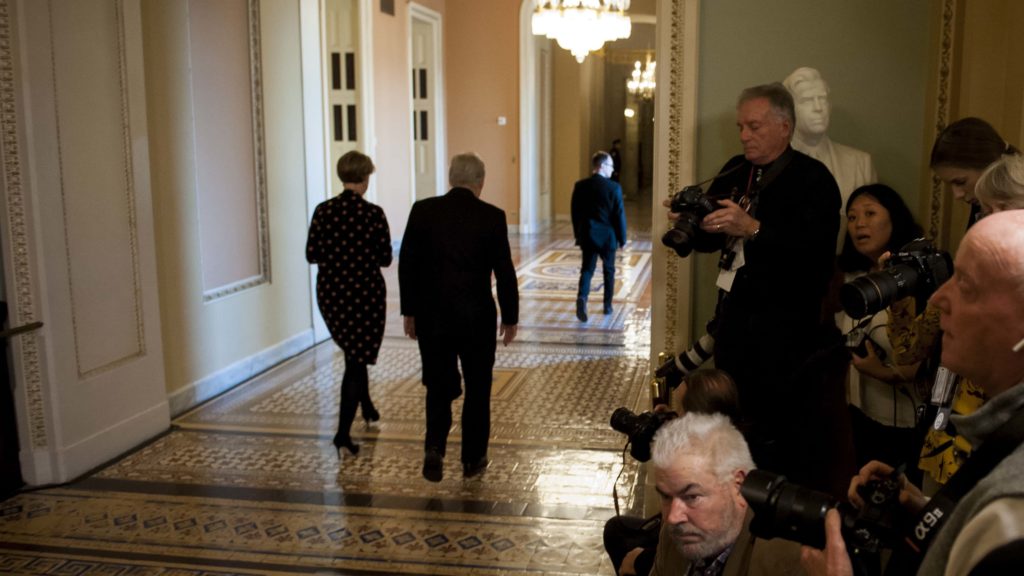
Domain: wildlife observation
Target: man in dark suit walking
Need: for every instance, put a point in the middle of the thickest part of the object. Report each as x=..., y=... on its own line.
x=451, y=246
x=599, y=225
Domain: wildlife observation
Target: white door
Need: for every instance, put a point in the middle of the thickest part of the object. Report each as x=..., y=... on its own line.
x=78, y=235
x=341, y=55
x=427, y=128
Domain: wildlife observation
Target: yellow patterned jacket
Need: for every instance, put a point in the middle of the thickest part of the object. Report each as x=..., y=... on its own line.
x=912, y=338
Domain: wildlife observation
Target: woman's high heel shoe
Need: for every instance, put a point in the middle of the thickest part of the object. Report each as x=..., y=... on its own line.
x=370, y=414
x=347, y=443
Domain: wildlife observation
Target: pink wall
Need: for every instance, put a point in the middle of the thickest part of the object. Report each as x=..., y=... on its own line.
x=392, y=110
x=482, y=83
x=391, y=104
x=481, y=60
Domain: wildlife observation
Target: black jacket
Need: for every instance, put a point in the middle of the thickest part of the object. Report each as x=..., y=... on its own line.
x=451, y=246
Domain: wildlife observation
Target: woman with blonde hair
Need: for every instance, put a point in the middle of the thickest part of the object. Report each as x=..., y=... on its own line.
x=1001, y=186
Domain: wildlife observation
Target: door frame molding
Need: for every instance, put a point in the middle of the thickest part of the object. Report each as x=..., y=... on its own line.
x=529, y=119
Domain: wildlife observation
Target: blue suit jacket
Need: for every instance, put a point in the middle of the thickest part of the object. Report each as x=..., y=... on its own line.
x=598, y=216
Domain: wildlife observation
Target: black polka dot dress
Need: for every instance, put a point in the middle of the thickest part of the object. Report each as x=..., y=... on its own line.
x=350, y=241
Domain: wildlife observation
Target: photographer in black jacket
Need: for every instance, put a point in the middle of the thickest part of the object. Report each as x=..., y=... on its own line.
x=775, y=219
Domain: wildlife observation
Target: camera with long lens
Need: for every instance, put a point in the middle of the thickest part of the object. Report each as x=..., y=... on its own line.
x=672, y=369
x=640, y=429
x=692, y=205
x=917, y=270
x=791, y=512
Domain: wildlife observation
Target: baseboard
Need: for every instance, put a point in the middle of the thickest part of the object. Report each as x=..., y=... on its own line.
x=205, y=388
x=111, y=442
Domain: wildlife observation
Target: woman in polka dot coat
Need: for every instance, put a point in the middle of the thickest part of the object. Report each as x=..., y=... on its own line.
x=349, y=241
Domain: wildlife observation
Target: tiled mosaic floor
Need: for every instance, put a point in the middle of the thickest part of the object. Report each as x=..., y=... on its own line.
x=249, y=483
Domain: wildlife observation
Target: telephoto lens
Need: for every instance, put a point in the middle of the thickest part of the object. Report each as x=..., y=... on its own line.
x=873, y=292
x=785, y=510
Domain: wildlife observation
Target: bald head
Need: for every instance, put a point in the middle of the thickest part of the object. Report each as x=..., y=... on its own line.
x=982, y=306
x=1001, y=239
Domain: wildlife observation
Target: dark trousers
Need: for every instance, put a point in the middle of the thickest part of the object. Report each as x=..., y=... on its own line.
x=355, y=391
x=587, y=273
x=441, y=356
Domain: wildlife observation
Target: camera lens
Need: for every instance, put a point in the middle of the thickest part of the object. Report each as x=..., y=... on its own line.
x=678, y=241
x=681, y=235
x=785, y=510
x=873, y=292
x=624, y=420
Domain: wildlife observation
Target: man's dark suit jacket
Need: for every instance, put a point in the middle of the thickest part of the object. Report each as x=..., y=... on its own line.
x=598, y=216
x=769, y=326
x=451, y=246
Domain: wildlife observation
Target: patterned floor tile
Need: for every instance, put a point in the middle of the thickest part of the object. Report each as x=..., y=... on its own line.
x=581, y=479
x=182, y=529
x=578, y=386
x=249, y=483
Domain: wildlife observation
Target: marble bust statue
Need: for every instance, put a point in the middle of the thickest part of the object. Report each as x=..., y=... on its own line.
x=850, y=167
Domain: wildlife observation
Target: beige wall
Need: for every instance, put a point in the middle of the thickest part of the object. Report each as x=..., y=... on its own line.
x=566, y=143
x=579, y=122
x=482, y=83
x=205, y=338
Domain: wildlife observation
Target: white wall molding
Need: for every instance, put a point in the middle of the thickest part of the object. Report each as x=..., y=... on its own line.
x=227, y=378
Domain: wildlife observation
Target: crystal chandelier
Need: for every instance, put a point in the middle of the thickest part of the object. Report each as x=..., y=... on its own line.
x=582, y=26
x=641, y=82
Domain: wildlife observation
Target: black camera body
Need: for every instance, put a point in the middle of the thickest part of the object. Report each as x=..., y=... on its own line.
x=792, y=512
x=917, y=270
x=692, y=205
x=640, y=429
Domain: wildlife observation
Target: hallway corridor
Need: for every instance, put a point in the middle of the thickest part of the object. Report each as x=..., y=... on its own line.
x=248, y=483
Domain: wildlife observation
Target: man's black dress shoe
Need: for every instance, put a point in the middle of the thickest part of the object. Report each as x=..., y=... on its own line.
x=433, y=466
x=581, y=310
x=475, y=468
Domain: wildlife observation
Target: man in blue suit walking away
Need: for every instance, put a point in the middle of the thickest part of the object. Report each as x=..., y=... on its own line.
x=599, y=225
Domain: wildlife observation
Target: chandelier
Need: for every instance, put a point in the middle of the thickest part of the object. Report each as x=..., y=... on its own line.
x=641, y=82
x=582, y=26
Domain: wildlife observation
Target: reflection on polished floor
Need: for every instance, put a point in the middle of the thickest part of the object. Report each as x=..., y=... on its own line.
x=248, y=483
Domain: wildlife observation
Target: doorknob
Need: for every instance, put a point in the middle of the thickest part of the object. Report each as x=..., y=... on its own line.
x=6, y=334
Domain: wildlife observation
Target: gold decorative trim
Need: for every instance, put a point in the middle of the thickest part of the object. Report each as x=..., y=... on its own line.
x=129, y=190
x=943, y=104
x=260, y=161
x=24, y=304
x=676, y=57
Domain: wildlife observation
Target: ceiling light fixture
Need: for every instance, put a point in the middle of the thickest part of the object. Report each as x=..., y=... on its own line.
x=582, y=26
x=642, y=82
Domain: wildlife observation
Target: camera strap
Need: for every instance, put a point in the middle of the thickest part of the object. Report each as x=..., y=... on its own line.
x=748, y=202
x=927, y=523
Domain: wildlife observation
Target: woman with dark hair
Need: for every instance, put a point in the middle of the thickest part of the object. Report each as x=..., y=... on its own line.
x=349, y=241
x=962, y=151
x=882, y=398
x=903, y=228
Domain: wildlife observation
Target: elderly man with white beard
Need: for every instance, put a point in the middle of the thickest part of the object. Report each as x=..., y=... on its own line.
x=700, y=462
